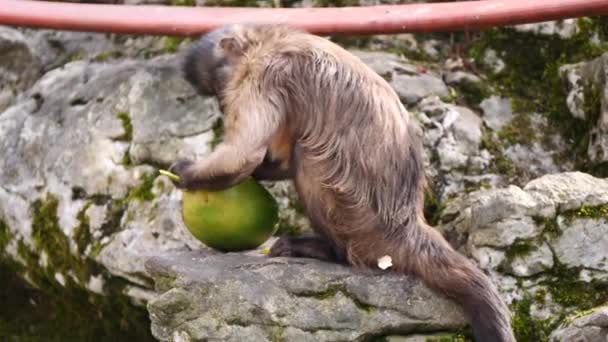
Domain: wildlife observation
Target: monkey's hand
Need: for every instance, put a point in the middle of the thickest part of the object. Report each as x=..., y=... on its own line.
x=180, y=168
x=225, y=167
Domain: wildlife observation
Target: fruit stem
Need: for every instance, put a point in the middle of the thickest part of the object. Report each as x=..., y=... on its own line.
x=171, y=175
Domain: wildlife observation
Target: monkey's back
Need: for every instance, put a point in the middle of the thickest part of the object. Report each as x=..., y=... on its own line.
x=359, y=161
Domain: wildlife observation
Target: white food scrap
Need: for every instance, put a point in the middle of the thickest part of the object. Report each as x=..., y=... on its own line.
x=385, y=262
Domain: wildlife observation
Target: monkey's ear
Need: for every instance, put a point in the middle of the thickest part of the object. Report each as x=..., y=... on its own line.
x=231, y=46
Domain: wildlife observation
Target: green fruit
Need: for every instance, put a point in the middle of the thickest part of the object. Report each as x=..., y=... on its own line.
x=239, y=218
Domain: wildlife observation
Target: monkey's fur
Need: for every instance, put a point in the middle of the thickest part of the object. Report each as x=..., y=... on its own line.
x=297, y=106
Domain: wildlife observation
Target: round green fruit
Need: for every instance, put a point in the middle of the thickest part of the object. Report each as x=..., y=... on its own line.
x=235, y=219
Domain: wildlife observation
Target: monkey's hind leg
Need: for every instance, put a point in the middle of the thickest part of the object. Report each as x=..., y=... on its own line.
x=309, y=246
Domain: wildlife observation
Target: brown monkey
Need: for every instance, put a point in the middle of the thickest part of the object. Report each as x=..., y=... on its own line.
x=297, y=106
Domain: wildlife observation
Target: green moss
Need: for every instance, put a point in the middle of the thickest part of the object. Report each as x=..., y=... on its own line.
x=525, y=327
x=82, y=233
x=518, y=131
x=472, y=93
x=59, y=311
x=126, y=159
x=600, y=211
x=448, y=338
x=333, y=290
x=531, y=77
x=352, y=41
x=500, y=163
x=143, y=192
x=232, y=3
x=171, y=44
x=592, y=102
x=296, y=205
x=277, y=334
x=336, y=3
x=76, y=56
x=433, y=207
x=48, y=237
x=52, y=312
x=5, y=237
x=183, y=3
x=115, y=211
x=578, y=314
x=104, y=56
x=550, y=227
x=285, y=227
x=568, y=290
x=218, y=132
x=127, y=126
x=520, y=248
x=589, y=212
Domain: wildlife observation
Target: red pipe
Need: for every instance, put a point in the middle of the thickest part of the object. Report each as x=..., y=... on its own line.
x=171, y=20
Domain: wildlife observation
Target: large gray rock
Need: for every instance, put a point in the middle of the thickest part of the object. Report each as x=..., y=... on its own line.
x=233, y=297
x=452, y=138
x=78, y=144
x=19, y=66
x=590, y=327
x=544, y=243
x=588, y=100
x=411, y=83
x=497, y=112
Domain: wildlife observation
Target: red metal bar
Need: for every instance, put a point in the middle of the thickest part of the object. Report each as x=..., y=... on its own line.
x=170, y=20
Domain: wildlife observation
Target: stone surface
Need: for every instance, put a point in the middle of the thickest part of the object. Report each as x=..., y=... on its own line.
x=78, y=109
x=587, y=99
x=583, y=243
x=497, y=112
x=563, y=28
x=232, y=296
x=19, y=66
x=539, y=242
x=590, y=327
x=411, y=83
x=89, y=118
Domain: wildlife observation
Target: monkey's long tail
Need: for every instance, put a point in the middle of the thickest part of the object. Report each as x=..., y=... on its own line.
x=444, y=269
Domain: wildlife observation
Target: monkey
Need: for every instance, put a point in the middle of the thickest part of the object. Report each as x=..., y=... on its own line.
x=299, y=107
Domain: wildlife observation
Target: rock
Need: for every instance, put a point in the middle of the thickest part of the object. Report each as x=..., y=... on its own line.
x=544, y=245
x=493, y=61
x=569, y=190
x=563, y=28
x=19, y=66
x=583, y=243
x=497, y=112
x=384, y=64
x=590, y=326
x=461, y=77
x=232, y=297
x=503, y=233
x=413, y=88
x=587, y=99
x=104, y=120
x=532, y=263
x=534, y=158
x=411, y=83
x=452, y=137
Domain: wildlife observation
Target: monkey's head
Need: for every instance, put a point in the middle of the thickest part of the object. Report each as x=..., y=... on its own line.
x=209, y=63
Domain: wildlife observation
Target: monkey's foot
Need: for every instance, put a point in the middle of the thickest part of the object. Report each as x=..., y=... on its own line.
x=303, y=247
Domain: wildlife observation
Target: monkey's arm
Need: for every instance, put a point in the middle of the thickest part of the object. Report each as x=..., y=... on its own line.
x=247, y=135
